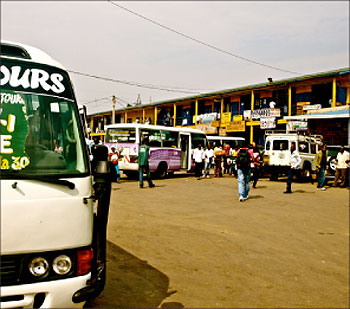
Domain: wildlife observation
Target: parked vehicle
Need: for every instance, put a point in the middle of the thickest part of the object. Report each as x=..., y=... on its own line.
x=277, y=152
x=53, y=238
x=331, y=163
x=171, y=148
x=231, y=140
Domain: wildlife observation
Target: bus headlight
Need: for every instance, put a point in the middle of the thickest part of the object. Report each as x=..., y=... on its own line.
x=38, y=267
x=62, y=264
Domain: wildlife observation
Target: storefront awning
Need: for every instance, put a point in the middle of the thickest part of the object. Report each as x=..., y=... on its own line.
x=344, y=113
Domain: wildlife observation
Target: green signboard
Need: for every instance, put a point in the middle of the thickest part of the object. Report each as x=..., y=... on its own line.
x=13, y=132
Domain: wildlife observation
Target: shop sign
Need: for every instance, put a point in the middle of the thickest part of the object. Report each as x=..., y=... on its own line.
x=267, y=123
x=226, y=117
x=215, y=123
x=296, y=125
x=312, y=107
x=235, y=126
x=247, y=114
x=237, y=118
x=222, y=132
x=207, y=128
x=265, y=112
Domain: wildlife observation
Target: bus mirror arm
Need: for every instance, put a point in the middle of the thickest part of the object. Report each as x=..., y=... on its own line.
x=102, y=192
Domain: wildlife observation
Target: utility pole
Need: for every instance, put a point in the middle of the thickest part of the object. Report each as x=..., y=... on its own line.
x=113, y=110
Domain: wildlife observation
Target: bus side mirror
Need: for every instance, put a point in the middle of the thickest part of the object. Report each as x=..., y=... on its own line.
x=100, y=165
x=101, y=172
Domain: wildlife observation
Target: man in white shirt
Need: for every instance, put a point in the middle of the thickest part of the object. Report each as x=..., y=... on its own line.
x=342, y=165
x=295, y=162
x=209, y=157
x=198, y=156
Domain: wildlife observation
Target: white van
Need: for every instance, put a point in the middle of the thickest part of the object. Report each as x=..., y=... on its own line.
x=277, y=152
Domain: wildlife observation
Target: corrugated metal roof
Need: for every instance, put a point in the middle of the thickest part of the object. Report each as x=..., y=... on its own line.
x=239, y=89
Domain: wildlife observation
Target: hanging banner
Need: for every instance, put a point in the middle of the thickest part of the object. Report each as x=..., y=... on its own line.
x=312, y=107
x=226, y=117
x=267, y=123
x=296, y=125
x=265, y=112
x=237, y=118
x=235, y=126
x=207, y=128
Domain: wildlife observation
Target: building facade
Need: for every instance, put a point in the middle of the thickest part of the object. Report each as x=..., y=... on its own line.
x=316, y=103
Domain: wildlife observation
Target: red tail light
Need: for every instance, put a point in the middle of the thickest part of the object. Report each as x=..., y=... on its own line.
x=84, y=261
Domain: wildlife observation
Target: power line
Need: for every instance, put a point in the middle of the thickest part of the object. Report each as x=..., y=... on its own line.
x=120, y=100
x=201, y=42
x=149, y=86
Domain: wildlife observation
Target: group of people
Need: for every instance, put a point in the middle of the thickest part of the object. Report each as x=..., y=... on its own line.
x=321, y=161
x=244, y=162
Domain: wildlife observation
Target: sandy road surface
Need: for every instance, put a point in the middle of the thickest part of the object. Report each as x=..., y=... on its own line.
x=189, y=243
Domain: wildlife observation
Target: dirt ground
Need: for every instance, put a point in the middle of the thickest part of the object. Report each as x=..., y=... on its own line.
x=192, y=244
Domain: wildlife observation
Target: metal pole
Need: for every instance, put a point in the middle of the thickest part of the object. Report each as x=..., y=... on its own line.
x=113, y=109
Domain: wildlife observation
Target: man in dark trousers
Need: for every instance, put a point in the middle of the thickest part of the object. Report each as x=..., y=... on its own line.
x=321, y=165
x=244, y=159
x=142, y=160
x=294, y=168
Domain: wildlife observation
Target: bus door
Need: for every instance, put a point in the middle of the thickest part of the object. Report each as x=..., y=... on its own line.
x=185, y=147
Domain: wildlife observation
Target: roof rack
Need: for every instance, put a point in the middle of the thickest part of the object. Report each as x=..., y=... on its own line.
x=313, y=138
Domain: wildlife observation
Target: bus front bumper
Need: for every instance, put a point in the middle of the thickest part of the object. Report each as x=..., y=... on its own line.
x=49, y=294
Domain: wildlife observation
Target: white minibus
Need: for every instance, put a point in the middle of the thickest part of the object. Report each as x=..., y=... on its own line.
x=171, y=147
x=231, y=140
x=49, y=237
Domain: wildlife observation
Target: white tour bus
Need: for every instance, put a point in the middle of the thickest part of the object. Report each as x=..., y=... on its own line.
x=171, y=148
x=231, y=140
x=49, y=237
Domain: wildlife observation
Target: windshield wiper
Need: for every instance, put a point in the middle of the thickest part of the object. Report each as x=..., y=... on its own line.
x=16, y=175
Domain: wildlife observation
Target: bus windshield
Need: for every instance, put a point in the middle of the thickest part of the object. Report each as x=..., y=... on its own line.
x=40, y=135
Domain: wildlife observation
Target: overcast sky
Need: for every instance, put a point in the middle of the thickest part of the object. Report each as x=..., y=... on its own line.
x=101, y=39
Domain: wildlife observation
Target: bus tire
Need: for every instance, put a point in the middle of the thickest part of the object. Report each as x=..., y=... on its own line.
x=162, y=170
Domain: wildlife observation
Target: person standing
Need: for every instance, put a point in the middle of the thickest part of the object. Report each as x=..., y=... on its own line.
x=198, y=156
x=227, y=148
x=256, y=165
x=342, y=165
x=142, y=160
x=321, y=165
x=209, y=156
x=218, y=152
x=295, y=162
x=114, y=158
x=243, y=162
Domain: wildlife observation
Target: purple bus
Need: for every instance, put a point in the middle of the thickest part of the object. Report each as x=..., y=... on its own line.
x=171, y=149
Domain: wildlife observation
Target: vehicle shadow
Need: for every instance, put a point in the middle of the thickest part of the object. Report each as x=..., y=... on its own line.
x=131, y=283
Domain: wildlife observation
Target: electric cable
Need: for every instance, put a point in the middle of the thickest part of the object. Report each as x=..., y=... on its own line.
x=201, y=42
x=149, y=86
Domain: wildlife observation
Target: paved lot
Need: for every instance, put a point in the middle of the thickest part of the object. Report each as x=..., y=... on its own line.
x=192, y=244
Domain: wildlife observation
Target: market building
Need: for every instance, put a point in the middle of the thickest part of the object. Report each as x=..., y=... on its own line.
x=315, y=103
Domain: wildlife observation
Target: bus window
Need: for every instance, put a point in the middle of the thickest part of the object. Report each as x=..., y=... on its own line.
x=121, y=135
x=153, y=136
x=304, y=147
x=170, y=138
x=280, y=145
x=198, y=139
x=313, y=148
x=268, y=145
